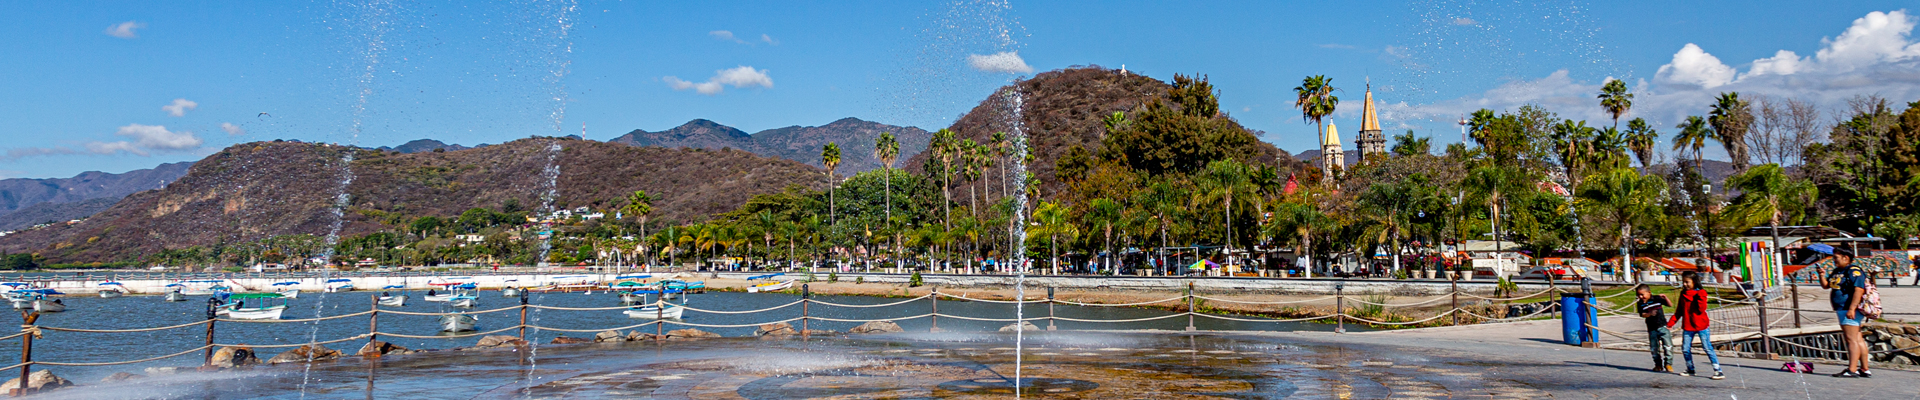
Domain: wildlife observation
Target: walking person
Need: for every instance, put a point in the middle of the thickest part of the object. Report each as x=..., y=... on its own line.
x=1849, y=286
x=1659, y=339
x=1693, y=310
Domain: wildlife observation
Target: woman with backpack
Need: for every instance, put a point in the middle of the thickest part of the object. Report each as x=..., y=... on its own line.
x=1693, y=310
x=1849, y=285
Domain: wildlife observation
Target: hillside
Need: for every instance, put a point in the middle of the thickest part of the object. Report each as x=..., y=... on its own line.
x=257, y=190
x=423, y=145
x=798, y=143
x=16, y=194
x=1062, y=109
x=54, y=212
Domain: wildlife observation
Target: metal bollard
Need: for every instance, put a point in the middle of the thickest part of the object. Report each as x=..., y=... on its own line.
x=1339, y=308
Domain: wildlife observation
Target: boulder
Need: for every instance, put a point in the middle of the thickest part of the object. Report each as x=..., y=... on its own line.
x=121, y=376
x=1910, y=330
x=37, y=381
x=1912, y=348
x=377, y=348
x=500, y=341
x=164, y=370
x=775, y=329
x=609, y=336
x=1023, y=325
x=229, y=357
x=690, y=333
x=305, y=353
x=876, y=327
x=570, y=340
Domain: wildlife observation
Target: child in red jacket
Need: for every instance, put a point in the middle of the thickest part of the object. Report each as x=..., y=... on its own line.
x=1693, y=309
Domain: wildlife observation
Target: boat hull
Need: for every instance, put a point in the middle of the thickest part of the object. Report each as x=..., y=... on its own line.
x=47, y=306
x=290, y=293
x=464, y=302
x=652, y=312
x=175, y=296
x=256, y=313
x=770, y=288
x=22, y=304
x=510, y=292
x=394, y=301
x=457, y=323
x=111, y=294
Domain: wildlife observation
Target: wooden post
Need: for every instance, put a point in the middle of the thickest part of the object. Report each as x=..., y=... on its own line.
x=213, y=311
x=1760, y=308
x=804, y=294
x=523, y=318
x=936, y=309
x=1795, y=289
x=373, y=320
x=1456, y=302
x=1050, y=308
x=1190, y=308
x=26, y=350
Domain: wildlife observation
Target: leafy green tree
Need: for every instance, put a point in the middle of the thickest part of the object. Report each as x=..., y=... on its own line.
x=1407, y=145
x=1626, y=197
x=1103, y=214
x=640, y=205
x=1054, y=223
x=1768, y=195
x=1180, y=134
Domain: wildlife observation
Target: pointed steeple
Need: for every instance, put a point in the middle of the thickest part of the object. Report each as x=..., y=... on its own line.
x=1369, y=121
x=1370, y=141
x=1330, y=137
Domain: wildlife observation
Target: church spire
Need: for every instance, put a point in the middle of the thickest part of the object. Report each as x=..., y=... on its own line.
x=1369, y=141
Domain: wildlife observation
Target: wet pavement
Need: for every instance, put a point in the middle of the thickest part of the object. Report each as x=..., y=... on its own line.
x=1057, y=365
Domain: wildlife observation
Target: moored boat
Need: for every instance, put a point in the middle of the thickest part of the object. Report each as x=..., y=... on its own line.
x=457, y=322
x=394, y=301
x=653, y=311
x=464, y=301
x=112, y=290
x=269, y=306
x=510, y=292
x=338, y=285
x=770, y=287
x=48, y=305
x=175, y=296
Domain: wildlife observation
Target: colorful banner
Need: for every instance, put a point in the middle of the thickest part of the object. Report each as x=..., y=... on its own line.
x=1760, y=265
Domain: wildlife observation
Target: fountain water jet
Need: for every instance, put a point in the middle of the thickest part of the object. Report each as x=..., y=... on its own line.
x=1019, y=222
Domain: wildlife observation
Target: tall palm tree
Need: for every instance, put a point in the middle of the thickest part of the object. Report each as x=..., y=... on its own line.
x=1572, y=142
x=1627, y=196
x=1641, y=138
x=1693, y=136
x=887, y=149
x=1615, y=98
x=1730, y=118
x=943, y=148
x=1161, y=200
x=1222, y=179
x=768, y=224
x=1491, y=185
x=1768, y=194
x=1316, y=101
x=1001, y=148
x=640, y=205
x=1299, y=218
x=1103, y=213
x=830, y=156
x=970, y=167
x=1053, y=224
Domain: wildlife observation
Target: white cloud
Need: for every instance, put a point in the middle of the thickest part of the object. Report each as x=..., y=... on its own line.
x=179, y=107
x=1008, y=62
x=1876, y=38
x=725, y=35
x=231, y=129
x=146, y=139
x=1693, y=66
x=769, y=40
x=1464, y=21
x=738, y=77
x=124, y=30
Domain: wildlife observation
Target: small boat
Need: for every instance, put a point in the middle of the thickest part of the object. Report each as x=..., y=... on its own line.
x=111, y=294
x=457, y=322
x=770, y=287
x=272, y=305
x=190, y=288
x=441, y=297
x=394, y=301
x=47, y=306
x=30, y=299
x=338, y=285
x=510, y=292
x=175, y=296
x=684, y=286
x=112, y=290
x=464, y=301
x=653, y=311
x=289, y=293
x=631, y=298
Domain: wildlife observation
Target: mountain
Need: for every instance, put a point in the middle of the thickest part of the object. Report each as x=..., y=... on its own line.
x=424, y=145
x=256, y=190
x=54, y=212
x=798, y=143
x=16, y=194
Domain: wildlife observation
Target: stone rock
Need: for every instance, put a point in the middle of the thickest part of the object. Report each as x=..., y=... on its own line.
x=876, y=327
x=121, y=376
x=500, y=341
x=1902, y=342
x=377, y=348
x=570, y=340
x=609, y=336
x=775, y=329
x=305, y=353
x=37, y=381
x=164, y=370
x=229, y=357
x=690, y=333
x=1026, y=326
x=1910, y=330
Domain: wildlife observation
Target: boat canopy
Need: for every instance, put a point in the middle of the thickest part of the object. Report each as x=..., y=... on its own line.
x=110, y=284
x=205, y=281
x=15, y=284
x=286, y=283
x=38, y=291
x=339, y=280
x=767, y=276
x=174, y=285
x=255, y=296
x=633, y=276
x=630, y=284
x=468, y=285
x=394, y=287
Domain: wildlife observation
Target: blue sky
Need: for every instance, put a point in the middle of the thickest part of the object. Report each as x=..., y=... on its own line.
x=96, y=86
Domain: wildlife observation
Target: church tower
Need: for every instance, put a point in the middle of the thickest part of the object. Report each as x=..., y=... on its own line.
x=1370, y=142
x=1332, y=158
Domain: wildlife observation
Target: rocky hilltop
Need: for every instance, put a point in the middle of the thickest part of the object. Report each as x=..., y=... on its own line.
x=256, y=190
x=798, y=143
x=16, y=194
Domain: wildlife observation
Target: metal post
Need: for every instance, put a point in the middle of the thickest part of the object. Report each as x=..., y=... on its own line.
x=213, y=306
x=936, y=309
x=26, y=350
x=804, y=294
x=1339, y=308
x=1456, y=302
x=1050, y=308
x=1795, y=289
x=1190, y=307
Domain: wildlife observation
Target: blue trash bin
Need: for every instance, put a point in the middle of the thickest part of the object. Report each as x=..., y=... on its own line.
x=1571, y=314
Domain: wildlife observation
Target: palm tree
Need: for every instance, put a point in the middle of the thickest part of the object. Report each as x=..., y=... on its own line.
x=1054, y=224
x=1641, y=138
x=640, y=205
x=1222, y=179
x=1491, y=184
x=971, y=165
x=1572, y=143
x=830, y=156
x=1299, y=218
x=1104, y=213
x=1001, y=148
x=1627, y=196
x=1730, y=118
x=1693, y=137
x=887, y=149
x=1161, y=200
x=943, y=148
x=1316, y=101
x=1768, y=194
x=768, y=223
x=1615, y=99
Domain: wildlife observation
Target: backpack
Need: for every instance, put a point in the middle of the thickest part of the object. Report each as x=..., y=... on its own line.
x=1870, y=304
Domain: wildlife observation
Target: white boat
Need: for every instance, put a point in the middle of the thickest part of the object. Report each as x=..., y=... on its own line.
x=654, y=312
x=270, y=306
x=175, y=296
x=394, y=301
x=338, y=285
x=464, y=301
x=770, y=287
x=630, y=298
x=112, y=290
x=457, y=322
x=47, y=306
x=192, y=288
x=22, y=304
x=510, y=292
x=111, y=294
x=271, y=312
x=290, y=293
